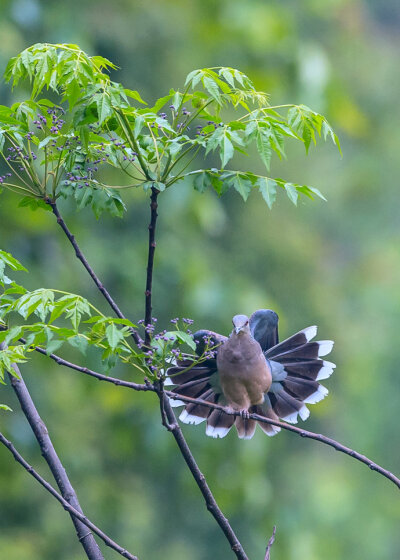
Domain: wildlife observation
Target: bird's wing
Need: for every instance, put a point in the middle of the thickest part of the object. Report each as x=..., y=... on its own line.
x=201, y=381
x=296, y=368
x=264, y=328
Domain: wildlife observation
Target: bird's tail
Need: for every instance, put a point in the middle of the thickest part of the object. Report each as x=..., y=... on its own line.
x=200, y=382
x=297, y=368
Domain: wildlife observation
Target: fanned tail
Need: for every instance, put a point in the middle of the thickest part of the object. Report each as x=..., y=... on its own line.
x=201, y=382
x=297, y=368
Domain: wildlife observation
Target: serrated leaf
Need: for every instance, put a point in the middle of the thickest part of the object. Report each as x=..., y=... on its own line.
x=292, y=193
x=114, y=336
x=242, y=185
x=78, y=342
x=264, y=147
x=226, y=149
x=211, y=86
x=267, y=188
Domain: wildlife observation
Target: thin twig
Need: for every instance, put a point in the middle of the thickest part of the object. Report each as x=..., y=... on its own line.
x=73, y=512
x=100, y=376
x=150, y=263
x=175, y=396
x=49, y=453
x=303, y=433
x=269, y=545
x=89, y=269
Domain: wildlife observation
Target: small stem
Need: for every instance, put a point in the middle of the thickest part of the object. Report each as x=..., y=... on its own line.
x=270, y=543
x=132, y=140
x=150, y=262
x=197, y=113
x=66, y=505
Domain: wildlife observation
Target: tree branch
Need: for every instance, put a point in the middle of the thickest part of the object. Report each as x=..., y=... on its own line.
x=303, y=433
x=150, y=263
x=89, y=269
x=49, y=453
x=67, y=506
x=167, y=414
x=170, y=422
x=270, y=543
x=100, y=376
x=175, y=396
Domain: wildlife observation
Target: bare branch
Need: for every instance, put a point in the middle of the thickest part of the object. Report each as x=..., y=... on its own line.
x=270, y=543
x=170, y=422
x=72, y=511
x=49, y=453
x=303, y=433
x=150, y=262
x=100, y=376
x=89, y=269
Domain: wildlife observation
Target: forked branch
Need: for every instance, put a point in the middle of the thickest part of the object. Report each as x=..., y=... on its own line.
x=67, y=506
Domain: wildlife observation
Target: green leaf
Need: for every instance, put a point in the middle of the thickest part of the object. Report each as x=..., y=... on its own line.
x=78, y=342
x=114, y=336
x=10, y=261
x=292, y=193
x=5, y=407
x=185, y=338
x=226, y=149
x=202, y=182
x=212, y=88
x=267, y=188
x=264, y=147
x=242, y=185
x=104, y=107
x=53, y=346
x=134, y=95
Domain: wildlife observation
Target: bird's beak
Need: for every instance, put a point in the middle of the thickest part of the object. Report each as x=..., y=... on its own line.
x=238, y=329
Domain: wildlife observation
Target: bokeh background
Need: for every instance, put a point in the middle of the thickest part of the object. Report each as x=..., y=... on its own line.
x=335, y=264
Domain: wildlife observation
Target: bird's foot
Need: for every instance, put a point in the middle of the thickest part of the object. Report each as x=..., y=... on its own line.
x=245, y=414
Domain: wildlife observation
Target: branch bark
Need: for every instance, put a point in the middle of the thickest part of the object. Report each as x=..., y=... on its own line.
x=66, y=505
x=211, y=504
x=41, y=433
x=150, y=263
x=269, y=545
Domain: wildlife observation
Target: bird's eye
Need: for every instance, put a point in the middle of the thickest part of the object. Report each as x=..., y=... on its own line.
x=246, y=323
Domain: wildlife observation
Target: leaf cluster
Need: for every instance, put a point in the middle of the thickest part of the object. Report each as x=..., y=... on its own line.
x=58, y=145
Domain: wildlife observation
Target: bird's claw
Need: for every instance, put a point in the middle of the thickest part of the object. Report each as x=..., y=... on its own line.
x=245, y=414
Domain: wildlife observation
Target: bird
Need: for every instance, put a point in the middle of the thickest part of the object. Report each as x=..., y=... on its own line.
x=251, y=372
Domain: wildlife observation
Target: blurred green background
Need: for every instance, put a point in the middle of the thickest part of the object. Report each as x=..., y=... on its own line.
x=335, y=264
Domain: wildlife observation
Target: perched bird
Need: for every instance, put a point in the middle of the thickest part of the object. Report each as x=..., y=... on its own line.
x=251, y=372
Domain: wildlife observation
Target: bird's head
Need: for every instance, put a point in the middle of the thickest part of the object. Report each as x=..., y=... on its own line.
x=241, y=324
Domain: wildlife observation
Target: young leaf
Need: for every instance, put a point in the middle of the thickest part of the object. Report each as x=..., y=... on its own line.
x=267, y=188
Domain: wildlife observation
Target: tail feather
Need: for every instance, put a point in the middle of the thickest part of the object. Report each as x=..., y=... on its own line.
x=267, y=412
x=245, y=427
x=201, y=411
x=219, y=424
x=192, y=389
x=294, y=341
